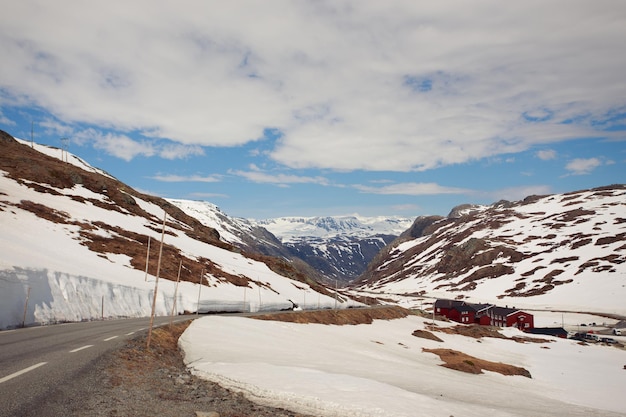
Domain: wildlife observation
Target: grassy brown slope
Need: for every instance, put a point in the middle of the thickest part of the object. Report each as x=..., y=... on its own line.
x=339, y=317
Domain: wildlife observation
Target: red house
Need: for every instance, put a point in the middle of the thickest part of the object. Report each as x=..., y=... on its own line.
x=510, y=317
x=484, y=314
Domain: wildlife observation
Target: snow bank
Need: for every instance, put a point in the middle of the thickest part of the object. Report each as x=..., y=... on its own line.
x=381, y=370
x=47, y=271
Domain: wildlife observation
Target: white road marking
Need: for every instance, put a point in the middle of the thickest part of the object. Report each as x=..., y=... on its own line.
x=81, y=348
x=23, y=371
x=110, y=338
x=128, y=334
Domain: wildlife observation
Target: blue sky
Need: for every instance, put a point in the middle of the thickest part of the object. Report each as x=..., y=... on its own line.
x=306, y=108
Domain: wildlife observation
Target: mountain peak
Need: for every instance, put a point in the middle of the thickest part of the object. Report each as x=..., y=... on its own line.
x=294, y=228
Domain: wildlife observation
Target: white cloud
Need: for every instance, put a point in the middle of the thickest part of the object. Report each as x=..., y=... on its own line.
x=207, y=195
x=412, y=188
x=581, y=166
x=124, y=147
x=518, y=193
x=54, y=128
x=546, y=154
x=5, y=120
x=176, y=151
x=259, y=176
x=190, y=178
x=120, y=146
x=352, y=85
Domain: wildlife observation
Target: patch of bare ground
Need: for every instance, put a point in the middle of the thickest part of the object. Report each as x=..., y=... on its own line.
x=425, y=334
x=460, y=361
x=352, y=316
x=136, y=381
x=478, y=332
x=46, y=174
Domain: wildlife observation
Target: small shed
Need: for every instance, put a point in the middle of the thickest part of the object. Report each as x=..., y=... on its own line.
x=550, y=331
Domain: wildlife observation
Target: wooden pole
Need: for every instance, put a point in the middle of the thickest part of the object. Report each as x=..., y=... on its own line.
x=156, y=284
x=25, y=307
x=199, y=291
x=176, y=292
x=147, y=259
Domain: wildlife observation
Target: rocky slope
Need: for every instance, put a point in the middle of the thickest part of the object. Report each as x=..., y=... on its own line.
x=567, y=249
x=80, y=239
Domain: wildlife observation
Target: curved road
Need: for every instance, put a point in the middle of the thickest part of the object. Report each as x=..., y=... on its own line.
x=36, y=360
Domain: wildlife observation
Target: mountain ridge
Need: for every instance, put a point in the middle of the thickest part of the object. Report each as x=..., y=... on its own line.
x=534, y=251
x=297, y=227
x=333, y=249
x=77, y=236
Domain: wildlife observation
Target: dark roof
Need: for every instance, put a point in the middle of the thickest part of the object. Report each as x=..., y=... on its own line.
x=550, y=331
x=504, y=311
x=481, y=307
x=465, y=307
x=461, y=305
x=444, y=303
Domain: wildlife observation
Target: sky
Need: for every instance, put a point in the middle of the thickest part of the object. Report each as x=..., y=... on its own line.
x=315, y=108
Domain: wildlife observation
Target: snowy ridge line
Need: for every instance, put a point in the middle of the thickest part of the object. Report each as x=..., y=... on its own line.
x=563, y=251
x=64, y=275
x=64, y=155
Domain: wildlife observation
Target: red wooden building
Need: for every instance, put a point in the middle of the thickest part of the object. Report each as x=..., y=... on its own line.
x=484, y=314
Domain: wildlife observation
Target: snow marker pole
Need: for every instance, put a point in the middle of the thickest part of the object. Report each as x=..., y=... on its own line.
x=147, y=259
x=199, y=291
x=156, y=283
x=25, y=307
x=176, y=292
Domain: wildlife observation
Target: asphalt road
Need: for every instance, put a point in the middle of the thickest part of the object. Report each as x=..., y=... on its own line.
x=35, y=360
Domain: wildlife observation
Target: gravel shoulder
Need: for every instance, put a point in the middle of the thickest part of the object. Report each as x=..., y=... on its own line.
x=134, y=381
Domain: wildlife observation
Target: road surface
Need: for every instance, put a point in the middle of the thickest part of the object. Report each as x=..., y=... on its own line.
x=35, y=360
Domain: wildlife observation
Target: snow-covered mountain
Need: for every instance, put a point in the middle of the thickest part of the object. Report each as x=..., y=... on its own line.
x=292, y=229
x=76, y=244
x=239, y=232
x=557, y=251
x=340, y=247
x=330, y=249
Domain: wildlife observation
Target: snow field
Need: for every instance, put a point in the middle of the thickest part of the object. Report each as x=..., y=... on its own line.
x=380, y=370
